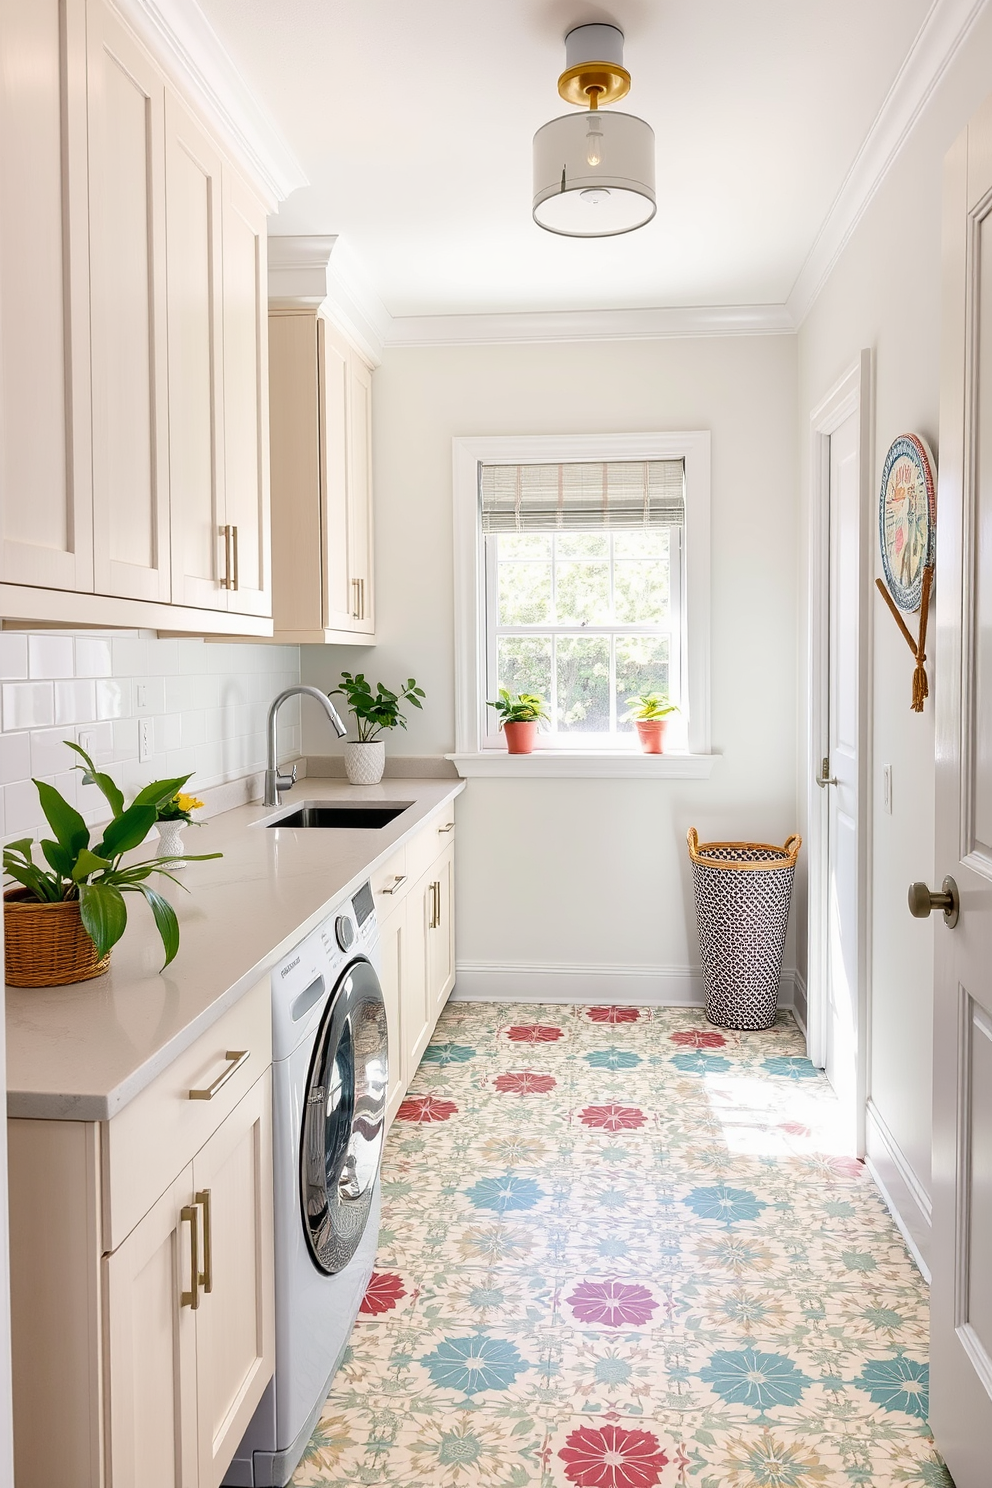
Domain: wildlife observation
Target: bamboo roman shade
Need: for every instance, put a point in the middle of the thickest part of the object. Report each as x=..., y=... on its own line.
x=583, y=495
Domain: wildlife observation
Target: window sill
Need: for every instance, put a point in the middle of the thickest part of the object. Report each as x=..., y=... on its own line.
x=555, y=764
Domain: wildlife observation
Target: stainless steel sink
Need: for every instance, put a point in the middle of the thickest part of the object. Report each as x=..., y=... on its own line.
x=324, y=814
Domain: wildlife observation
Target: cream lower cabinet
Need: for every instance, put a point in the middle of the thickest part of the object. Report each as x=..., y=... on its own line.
x=144, y=1326
x=415, y=907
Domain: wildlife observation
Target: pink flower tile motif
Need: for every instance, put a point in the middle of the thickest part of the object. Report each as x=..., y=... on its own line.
x=612, y=1456
x=425, y=1109
x=613, y=1014
x=698, y=1038
x=534, y=1033
x=612, y=1304
x=613, y=1118
x=524, y=1082
x=383, y=1292
x=795, y=1128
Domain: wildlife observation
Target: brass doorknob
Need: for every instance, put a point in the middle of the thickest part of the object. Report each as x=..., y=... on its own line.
x=923, y=899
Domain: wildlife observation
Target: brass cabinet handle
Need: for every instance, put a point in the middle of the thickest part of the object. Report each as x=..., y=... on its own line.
x=234, y=545
x=361, y=594
x=449, y=828
x=356, y=613
x=397, y=882
x=190, y=1214
x=238, y=1057
x=435, y=917
x=207, y=1274
x=225, y=533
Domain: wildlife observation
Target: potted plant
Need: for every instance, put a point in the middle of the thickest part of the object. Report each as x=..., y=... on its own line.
x=375, y=712
x=650, y=712
x=172, y=817
x=519, y=715
x=62, y=920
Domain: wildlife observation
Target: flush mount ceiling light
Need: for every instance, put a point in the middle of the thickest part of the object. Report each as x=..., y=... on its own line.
x=594, y=172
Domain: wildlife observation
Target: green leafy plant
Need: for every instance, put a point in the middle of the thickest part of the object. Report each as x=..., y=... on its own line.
x=521, y=707
x=95, y=876
x=649, y=707
x=376, y=711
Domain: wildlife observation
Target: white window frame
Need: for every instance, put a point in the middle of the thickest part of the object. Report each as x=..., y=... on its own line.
x=472, y=756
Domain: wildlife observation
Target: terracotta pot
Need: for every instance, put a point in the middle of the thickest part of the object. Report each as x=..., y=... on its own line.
x=45, y=945
x=520, y=737
x=364, y=763
x=651, y=732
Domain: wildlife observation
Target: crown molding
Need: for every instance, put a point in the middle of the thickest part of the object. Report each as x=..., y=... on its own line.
x=588, y=325
x=319, y=271
x=186, y=46
x=938, y=41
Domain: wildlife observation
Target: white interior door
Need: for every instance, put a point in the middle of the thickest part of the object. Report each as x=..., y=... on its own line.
x=961, y=1297
x=843, y=980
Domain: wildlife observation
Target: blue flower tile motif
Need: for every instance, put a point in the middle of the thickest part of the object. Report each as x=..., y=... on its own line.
x=696, y=1062
x=898, y=1384
x=760, y=1381
x=505, y=1193
x=474, y=1363
x=727, y=1204
x=613, y=1059
x=447, y=1054
x=792, y=1066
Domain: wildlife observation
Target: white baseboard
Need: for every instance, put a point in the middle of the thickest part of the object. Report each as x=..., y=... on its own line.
x=904, y=1194
x=622, y=986
x=800, y=1004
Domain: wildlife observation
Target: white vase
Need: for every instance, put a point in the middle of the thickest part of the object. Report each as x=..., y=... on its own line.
x=364, y=763
x=170, y=834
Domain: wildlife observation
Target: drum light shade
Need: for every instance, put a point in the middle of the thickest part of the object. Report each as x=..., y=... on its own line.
x=594, y=174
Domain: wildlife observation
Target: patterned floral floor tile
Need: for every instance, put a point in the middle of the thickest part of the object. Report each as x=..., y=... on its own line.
x=622, y=1248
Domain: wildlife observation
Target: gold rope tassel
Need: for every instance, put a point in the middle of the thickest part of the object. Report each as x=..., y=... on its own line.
x=921, y=687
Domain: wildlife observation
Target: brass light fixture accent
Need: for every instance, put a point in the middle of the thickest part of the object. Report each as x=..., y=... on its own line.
x=594, y=172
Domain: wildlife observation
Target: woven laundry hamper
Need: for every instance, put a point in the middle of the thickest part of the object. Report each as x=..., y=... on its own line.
x=743, y=891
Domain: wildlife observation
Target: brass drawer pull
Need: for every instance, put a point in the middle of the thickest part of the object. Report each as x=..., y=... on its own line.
x=398, y=881
x=207, y=1274
x=449, y=828
x=191, y=1215
x=237, y=1057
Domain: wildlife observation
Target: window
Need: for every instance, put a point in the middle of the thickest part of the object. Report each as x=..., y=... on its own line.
x=582, y=573
x=583, y=583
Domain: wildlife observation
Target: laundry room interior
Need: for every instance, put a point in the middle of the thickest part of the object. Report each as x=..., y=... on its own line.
x=494, y=781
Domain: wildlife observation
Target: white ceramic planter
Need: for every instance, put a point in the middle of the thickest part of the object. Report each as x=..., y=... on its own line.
x=365, y=763
x=170, y=835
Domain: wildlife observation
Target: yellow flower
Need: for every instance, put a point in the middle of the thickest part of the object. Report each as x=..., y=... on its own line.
x=187, y=803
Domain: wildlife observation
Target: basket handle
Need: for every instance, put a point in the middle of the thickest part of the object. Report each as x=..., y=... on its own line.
x=692, y=837
x=792, y=845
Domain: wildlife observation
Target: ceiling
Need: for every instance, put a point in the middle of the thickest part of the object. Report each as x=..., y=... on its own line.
x=414, y=123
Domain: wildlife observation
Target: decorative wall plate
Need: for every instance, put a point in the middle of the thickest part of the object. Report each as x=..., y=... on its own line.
x=907, y=515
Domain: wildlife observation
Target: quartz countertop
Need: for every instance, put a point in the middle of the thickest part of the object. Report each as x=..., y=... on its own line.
x=80, y=1053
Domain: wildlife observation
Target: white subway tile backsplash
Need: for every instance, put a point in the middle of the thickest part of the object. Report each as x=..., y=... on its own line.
x=208, y=706
x=28, y=705
x=50, y=656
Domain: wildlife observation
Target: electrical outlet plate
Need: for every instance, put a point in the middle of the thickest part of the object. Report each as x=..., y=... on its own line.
x=144, y=739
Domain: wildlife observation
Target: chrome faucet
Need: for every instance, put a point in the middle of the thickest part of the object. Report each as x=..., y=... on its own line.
x=274, y=782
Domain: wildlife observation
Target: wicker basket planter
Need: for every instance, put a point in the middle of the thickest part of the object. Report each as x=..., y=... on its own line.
x=45, y=945
x=742, y=891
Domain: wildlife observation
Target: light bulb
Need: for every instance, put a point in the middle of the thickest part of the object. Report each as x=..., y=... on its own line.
x=594, y=141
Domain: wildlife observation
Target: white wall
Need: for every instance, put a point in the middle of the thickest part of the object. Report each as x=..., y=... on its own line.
x=206, y=704
x=589, y=873
x=885, y=294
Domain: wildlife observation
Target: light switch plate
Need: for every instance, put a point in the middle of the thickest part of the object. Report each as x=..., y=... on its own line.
x=887, y=789
x=144, y=739
x=141, y=695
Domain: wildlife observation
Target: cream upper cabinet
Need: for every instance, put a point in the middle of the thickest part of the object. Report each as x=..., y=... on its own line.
x=320, y=409
x=128, y=346
x=133, y=334
x=45, y=492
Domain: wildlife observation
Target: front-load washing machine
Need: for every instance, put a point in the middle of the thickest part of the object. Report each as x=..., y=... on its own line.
x=330, y=1078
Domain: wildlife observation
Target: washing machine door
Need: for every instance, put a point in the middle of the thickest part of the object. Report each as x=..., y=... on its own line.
x=344, y=1116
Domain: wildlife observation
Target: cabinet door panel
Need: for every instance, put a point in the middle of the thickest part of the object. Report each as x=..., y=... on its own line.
x=196, y=476
x=360, y=491
x=246, y=392
x=418, y=1020
x=235, y=1324
x=441, y=934
x=393, y=949
x=126, y=98
x=340, y=594
x=151, y=1342
x=45, y=492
